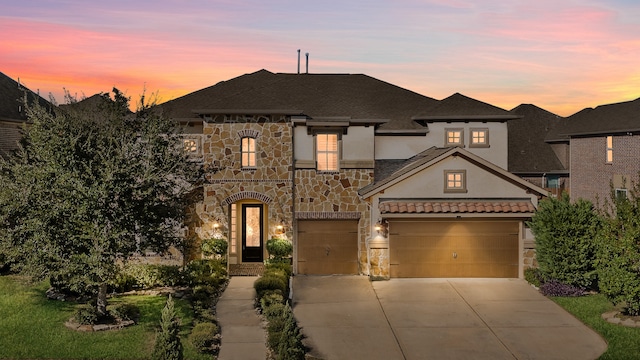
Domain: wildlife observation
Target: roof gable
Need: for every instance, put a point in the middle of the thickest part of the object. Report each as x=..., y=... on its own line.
x=461, y=107
x=12, y=95
x=434, y=155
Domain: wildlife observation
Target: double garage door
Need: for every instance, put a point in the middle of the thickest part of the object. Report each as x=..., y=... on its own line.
x=327, y=247
x=462, y=248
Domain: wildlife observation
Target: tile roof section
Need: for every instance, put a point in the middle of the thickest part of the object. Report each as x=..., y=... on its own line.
x=354, y=96
x=456, y=206
x=528, y=151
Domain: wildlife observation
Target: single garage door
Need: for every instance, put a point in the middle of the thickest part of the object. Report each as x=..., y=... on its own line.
x=327, y=247
x=456, y=248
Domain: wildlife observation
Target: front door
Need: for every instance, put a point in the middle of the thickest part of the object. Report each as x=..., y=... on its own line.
x=252, y=225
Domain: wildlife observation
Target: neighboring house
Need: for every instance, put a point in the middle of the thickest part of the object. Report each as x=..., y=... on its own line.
x=605, y=150
x=12, y=112
x=534, y=155
x=363, y=176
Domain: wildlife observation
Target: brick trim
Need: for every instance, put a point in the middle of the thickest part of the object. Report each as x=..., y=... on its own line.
x=251, y=133
x=247, y=195
x=328, y=215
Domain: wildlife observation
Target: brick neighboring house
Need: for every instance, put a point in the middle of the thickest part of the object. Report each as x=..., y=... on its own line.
x=605, y=149
x=12, y=112
x=363, y=176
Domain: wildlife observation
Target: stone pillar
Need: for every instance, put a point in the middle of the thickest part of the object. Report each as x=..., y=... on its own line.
x=378, y=258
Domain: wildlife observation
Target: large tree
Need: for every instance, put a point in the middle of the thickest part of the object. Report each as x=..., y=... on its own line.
x=93, y=184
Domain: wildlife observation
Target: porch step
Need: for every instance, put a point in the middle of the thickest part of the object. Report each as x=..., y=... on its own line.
x=245, y=269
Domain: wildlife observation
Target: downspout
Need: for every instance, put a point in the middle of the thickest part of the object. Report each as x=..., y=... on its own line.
x=294, y=223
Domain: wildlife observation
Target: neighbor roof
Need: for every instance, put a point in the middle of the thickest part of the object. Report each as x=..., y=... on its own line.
x=11, y=99
x=604, y=119
x=528, y=151
x=354, y=96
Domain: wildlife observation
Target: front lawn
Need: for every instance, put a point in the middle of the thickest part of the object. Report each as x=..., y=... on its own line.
x=32, y=327
x=624, y=342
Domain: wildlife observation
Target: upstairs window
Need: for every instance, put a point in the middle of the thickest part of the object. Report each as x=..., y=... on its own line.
x=455, y=181
x=609, y=149
x=454, y=137
x=248, y=149
x=479, y=138
x=327, y=152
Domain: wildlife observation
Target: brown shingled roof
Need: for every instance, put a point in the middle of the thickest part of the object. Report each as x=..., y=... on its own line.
x=354, y=96
x=604, y=119
x=458, y=106
x=528, y=151
x=11, y=97
x=455, y=206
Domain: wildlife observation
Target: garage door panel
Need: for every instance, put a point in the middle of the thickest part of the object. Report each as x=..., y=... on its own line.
x=454, y=248
x=327, y=247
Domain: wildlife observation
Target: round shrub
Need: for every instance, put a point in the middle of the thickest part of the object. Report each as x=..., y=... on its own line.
x=270, y=282
x=203, y=337
x=279, y=248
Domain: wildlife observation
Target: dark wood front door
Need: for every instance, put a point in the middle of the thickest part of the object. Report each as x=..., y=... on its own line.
x=252, y=225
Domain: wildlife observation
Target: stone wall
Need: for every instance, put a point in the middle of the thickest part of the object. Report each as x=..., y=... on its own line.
x=337, y=194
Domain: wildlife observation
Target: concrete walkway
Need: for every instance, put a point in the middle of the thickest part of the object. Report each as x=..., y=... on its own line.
x=349, y=317
x=243, y=337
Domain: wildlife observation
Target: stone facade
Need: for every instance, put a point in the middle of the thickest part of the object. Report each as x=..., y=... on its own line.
x=335, y=196
x=591, y=175
x=227, y=182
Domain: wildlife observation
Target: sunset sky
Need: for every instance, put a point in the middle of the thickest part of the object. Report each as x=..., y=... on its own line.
x=562, y=55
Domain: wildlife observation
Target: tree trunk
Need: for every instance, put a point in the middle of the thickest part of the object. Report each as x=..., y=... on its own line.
x=102, y=299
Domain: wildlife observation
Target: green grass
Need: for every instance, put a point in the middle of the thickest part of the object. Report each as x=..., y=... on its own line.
x=32, y=327
x=624, y=342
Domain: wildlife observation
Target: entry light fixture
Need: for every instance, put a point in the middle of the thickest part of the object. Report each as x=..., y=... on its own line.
x=381, y=227
x=280, y=227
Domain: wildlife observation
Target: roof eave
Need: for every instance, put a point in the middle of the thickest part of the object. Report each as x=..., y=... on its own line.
x=446, y=118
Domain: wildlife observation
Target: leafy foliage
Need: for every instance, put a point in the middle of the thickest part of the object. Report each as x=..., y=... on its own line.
x=533, y=276
x=290, y=346
x=556, y=288
x=279, y=248
x=565, y=246
x=215, y=246
x=86, y=315
x=92, y=183
x=204, y=337
x=125, y=311
x=168, y=345
x=618, y=259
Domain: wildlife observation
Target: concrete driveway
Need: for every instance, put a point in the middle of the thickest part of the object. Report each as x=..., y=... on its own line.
x=349, y=317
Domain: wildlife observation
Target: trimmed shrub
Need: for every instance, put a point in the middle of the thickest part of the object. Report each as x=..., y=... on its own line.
x=125, y=311
x=283, y=266
x=279, y=248
x=290, y=346
x=168, y=345
x=533, y=276
x=204, y=337
x=86, y=315
x=619, y=252
x=206, y=272
x=271, y=297
x=270, y=282
x=556, y=288
x=565, y=247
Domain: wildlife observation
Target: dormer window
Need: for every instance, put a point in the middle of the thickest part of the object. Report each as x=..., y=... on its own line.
x=454, y=137
x=248, y=150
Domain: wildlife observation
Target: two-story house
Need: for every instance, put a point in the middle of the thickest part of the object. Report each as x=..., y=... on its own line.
x=604, y=149
x=363, y=176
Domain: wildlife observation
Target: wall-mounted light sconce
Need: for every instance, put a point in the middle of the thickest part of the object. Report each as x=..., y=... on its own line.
x=280, y=228
x=381, y=227
x=216, y=224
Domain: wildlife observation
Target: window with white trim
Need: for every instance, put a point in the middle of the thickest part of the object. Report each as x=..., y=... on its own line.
x=232, y=229
x=248, y=149
x=455, y=181
x=327, y=152
x=454, y=137
x=479, y=137
x=609, y=151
